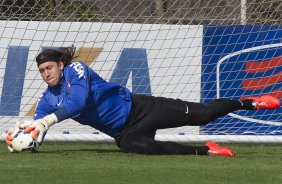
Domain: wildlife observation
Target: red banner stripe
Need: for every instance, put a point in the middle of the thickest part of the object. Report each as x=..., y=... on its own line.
x=259, y=84
x=276, y=93
x=254, y=67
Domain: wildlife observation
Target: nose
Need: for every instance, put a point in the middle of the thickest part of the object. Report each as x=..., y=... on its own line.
x=47, y=73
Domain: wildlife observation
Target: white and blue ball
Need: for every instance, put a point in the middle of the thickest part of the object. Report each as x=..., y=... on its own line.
x=23, y=142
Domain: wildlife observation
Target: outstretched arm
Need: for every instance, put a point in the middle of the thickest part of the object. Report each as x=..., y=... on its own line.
x=47, y=115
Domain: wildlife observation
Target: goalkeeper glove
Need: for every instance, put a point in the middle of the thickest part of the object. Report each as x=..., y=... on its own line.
x=38, y=128
x=9, y=136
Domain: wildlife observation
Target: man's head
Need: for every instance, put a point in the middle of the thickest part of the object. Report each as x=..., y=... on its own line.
x=51, y=64
x=51, y=72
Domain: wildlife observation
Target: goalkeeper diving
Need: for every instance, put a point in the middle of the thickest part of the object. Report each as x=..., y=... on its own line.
x=76, y=91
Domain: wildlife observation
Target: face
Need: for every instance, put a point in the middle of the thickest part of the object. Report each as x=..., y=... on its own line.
x=51, y=72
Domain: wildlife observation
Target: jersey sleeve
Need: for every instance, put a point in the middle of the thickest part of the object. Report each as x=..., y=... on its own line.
x=43, y=108
x=76, y=74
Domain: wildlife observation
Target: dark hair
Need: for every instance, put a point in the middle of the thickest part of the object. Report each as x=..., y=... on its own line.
x=64, y=54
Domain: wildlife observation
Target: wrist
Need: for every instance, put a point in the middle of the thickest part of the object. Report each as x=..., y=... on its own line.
x=51, y=119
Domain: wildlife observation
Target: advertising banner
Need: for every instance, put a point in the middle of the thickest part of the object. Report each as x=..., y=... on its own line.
x=239, y=62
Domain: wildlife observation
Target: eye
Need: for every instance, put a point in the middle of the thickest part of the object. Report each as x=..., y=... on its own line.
x=49, y=67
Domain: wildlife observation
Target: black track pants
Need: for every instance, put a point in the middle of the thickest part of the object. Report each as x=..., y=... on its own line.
x=150, y=113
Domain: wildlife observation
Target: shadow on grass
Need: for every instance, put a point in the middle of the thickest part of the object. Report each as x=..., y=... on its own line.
x=95, y=150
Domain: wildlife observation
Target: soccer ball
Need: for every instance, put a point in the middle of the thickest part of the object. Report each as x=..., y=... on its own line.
x=22, y=141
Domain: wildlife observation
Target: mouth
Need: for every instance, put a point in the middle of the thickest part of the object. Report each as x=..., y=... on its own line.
x=49, y=79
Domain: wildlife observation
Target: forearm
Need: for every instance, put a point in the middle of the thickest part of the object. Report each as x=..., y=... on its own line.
x=62, y=114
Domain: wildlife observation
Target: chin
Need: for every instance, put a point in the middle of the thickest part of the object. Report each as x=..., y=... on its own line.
x=52, y=84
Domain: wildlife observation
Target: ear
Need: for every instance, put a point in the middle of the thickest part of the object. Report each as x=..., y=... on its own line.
x=61, y=65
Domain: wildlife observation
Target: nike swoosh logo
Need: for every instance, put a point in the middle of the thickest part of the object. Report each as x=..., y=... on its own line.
x=187, y=110
x=58, y=104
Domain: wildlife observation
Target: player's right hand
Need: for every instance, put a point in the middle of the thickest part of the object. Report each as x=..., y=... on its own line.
x=39, y=127
x=9, y=137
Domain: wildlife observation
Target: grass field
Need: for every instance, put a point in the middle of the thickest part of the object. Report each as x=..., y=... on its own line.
x=104, y=163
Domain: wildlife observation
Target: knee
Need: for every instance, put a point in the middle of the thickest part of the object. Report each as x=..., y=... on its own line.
x=209, y=115
x=140, y=145
x=124, y=145
x=204, y=114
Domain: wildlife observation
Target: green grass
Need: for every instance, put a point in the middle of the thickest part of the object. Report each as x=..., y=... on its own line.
x=104, y=163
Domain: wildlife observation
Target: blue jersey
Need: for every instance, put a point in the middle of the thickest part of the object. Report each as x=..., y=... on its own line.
x=88, y=99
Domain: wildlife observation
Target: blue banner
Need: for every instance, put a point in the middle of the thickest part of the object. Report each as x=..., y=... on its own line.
x=13, y=81
x=239, y=62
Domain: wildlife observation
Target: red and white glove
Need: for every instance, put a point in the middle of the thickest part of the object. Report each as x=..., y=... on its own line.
x=9, y=136
x=38, y=128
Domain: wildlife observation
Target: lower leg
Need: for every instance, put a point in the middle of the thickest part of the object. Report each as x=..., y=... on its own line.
x=223, y=107
x=147, y=145
x=173, y=148
x=201, y=114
